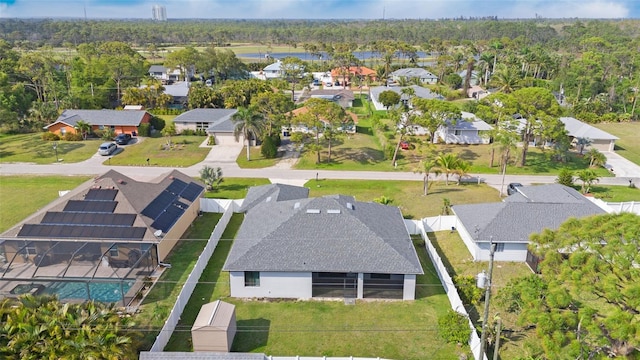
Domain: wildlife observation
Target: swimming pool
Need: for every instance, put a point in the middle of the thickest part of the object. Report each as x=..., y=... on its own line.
x=103, y=292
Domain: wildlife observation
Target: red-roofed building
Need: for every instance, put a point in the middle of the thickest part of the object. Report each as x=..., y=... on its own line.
x=343, y=75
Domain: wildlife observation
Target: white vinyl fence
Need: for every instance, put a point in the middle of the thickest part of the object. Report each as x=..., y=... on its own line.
x=440, y=223
x=187, y=289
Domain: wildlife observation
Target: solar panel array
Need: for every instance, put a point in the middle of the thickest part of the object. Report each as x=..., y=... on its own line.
x=76, y=218
x=101, y=194
x=90, y=206
x=167, y=208
x=83, y=232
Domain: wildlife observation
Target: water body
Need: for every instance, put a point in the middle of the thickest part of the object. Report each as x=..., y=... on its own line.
x=362, y=55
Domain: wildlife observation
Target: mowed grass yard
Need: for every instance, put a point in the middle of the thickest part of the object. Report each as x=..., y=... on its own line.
x=628, y=145
x=30, y=148
x=388, y=329
x=459, y=261
x=184, y=152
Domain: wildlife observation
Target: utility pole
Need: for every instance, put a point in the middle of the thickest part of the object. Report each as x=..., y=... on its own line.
x=487, y=296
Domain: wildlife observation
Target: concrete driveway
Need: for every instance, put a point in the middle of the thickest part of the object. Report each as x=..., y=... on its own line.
x=620, y=166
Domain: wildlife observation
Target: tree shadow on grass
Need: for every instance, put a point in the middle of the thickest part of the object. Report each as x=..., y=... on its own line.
x=251, y=334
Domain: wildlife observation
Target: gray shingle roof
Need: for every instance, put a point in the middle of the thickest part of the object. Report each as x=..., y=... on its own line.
x=273, y=192
x=414, y=73
x=578, y=129
x=104, y=117
x=327, y=234
x=519, y=216
x=420, y=91
x=219, y=119
x=157, y=68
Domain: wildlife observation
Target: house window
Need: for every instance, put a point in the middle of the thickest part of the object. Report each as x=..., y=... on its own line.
x=63, y=131
x=252, y=278
x=499, y=247
x=202, y=126
x=101, y=127
x=113, y=252
x=457, y=132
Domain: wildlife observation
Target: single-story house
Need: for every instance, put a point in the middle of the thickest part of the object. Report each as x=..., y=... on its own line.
x=273, y=71
x=510, y=223
x=345, y=75
x=216, y=122
x=119, y=121
x=420, y=92
x=272, y=192
x=348, y=126
x=600, y=139
x=423, y=75
x=342, y=97
x=162, y=73
x=477, y=92
x=326, y=247
x=100, y=240
x=470, y=129
x=179, y=92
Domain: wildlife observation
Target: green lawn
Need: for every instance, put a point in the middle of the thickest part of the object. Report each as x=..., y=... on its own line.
x=30, y=148
x=613, y=193
x=21, y=196
x=158, y=303
x=186, y=151
x=402, y=330
x=459, y=261
x=407, y=194
x=256, y=160
x=235, y=188
x=629, y=143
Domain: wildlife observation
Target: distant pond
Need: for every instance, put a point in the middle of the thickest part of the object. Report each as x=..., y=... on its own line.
x=362, y=55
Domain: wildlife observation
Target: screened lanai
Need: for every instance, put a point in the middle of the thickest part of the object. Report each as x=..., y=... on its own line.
x=105, y=271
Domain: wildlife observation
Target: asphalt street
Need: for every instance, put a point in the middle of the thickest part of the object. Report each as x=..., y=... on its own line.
x=224, y=157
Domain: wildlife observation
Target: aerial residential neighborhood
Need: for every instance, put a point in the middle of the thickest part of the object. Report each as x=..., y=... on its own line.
x=318, y=187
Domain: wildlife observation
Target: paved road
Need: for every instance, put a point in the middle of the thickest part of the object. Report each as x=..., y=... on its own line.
x=224, y=157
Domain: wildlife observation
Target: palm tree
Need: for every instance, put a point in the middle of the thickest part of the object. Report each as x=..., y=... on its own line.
x=248, y=123
x=447, y=163
x=462, y=169
x=506, y=78
x=84, y=128
x=596, y=158
x=588, y=178
x=426, y=167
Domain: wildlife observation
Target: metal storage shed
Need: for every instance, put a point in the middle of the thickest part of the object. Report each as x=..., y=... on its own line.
x=215, y=327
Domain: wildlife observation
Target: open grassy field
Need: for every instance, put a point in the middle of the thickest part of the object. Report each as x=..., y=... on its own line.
x=459, y=261
x=21, y=196
x=402, y=330
x=407, y=194
x=628, y=145
x=186, y=151
x=30, y=148
x=256, y=160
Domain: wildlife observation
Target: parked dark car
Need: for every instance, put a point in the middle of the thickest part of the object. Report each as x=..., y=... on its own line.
x=512, y=188
x=123, y=139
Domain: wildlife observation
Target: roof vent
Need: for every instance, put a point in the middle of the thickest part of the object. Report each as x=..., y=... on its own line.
x=296, y=205
x=349, y=206
x=120, y=181
x=313, y=211
x=158, y=233
x=333, y=211
x=268, y=199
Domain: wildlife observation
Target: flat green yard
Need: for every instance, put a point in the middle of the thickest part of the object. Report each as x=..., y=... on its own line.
x=21, y=196
x=402, y=330
x=459, y=261
x=256, y=160
x=186, y=151
x=235, y=188
x=30, y=148
x=407, y=194
x=628, y=145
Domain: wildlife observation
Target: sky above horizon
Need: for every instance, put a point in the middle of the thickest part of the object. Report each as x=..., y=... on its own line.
x=320, y=9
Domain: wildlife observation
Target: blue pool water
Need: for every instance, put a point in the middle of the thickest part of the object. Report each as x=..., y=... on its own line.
x=103, y=292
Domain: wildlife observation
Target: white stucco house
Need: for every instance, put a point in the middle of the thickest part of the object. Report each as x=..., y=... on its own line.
x=470, y=129
x=423, y=75
x=160, y=72
x=420, y=92
x=599, y=139
x=290, y=246
x=510, y=223
x=216, y=122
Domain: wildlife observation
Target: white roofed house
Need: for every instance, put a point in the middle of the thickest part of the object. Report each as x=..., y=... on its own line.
x=327, y=247
x=510, y=223
x=424, y=76
x=164, y=74
x=598, y=139
x=468, y=130
x=216, y=122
